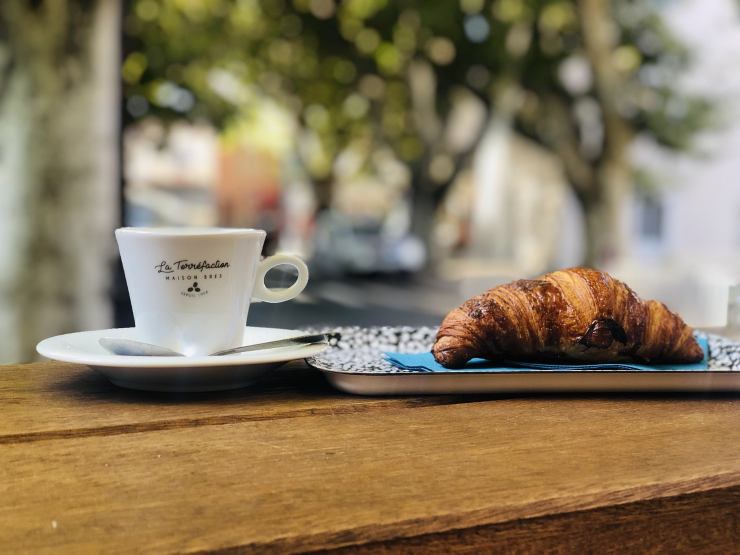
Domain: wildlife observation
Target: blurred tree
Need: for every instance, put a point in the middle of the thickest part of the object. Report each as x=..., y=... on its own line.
x=581, y=78
x=59, y=99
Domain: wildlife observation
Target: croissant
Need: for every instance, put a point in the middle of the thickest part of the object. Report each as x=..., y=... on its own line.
x=578, y=314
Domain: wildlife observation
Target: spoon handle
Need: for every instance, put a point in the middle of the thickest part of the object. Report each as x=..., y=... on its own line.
x=300, y=340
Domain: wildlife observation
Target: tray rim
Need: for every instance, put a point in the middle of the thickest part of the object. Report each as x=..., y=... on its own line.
x=443, y=383
x=534, y=371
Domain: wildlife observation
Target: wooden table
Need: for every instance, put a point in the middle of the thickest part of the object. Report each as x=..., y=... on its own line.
x=292, y=465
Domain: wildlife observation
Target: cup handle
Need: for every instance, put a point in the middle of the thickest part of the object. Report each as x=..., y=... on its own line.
x=263, y=293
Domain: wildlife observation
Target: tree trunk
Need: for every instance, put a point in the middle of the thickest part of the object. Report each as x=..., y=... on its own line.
x=595, y=232
x=605, y=215
x=58, y=167
x=604, y=218
x=423, y=211
x=324, y=192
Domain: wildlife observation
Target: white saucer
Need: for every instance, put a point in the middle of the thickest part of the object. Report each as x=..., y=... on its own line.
x=176, y=374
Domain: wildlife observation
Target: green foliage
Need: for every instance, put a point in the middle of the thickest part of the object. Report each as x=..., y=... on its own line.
x=343, y=67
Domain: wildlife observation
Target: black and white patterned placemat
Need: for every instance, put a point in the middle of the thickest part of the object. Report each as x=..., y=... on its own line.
x=360, y=350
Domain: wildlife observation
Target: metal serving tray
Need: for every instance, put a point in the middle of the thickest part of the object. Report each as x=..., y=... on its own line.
x=355, y=364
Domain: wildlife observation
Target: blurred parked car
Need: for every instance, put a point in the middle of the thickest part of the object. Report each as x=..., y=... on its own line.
x=345, y=245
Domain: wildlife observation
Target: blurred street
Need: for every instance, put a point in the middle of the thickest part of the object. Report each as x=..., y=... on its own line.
x=362, y=302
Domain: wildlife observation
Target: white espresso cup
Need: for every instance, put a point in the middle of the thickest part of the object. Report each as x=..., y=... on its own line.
x=191, y=288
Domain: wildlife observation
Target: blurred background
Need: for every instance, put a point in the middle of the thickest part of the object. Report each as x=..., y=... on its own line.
x=416, y=153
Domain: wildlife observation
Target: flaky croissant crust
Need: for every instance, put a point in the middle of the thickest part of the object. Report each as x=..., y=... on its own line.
x=577, y=314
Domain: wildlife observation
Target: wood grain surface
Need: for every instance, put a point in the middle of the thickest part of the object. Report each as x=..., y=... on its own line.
x=56, y=400
x=292, y=465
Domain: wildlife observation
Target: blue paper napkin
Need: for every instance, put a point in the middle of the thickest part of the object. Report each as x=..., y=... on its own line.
x=424, y=362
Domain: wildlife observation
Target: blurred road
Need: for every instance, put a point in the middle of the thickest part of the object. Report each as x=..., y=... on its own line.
x=384, y=300
x=363, y=302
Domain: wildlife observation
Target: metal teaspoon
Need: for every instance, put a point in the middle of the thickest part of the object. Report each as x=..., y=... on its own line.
x=131, y=347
